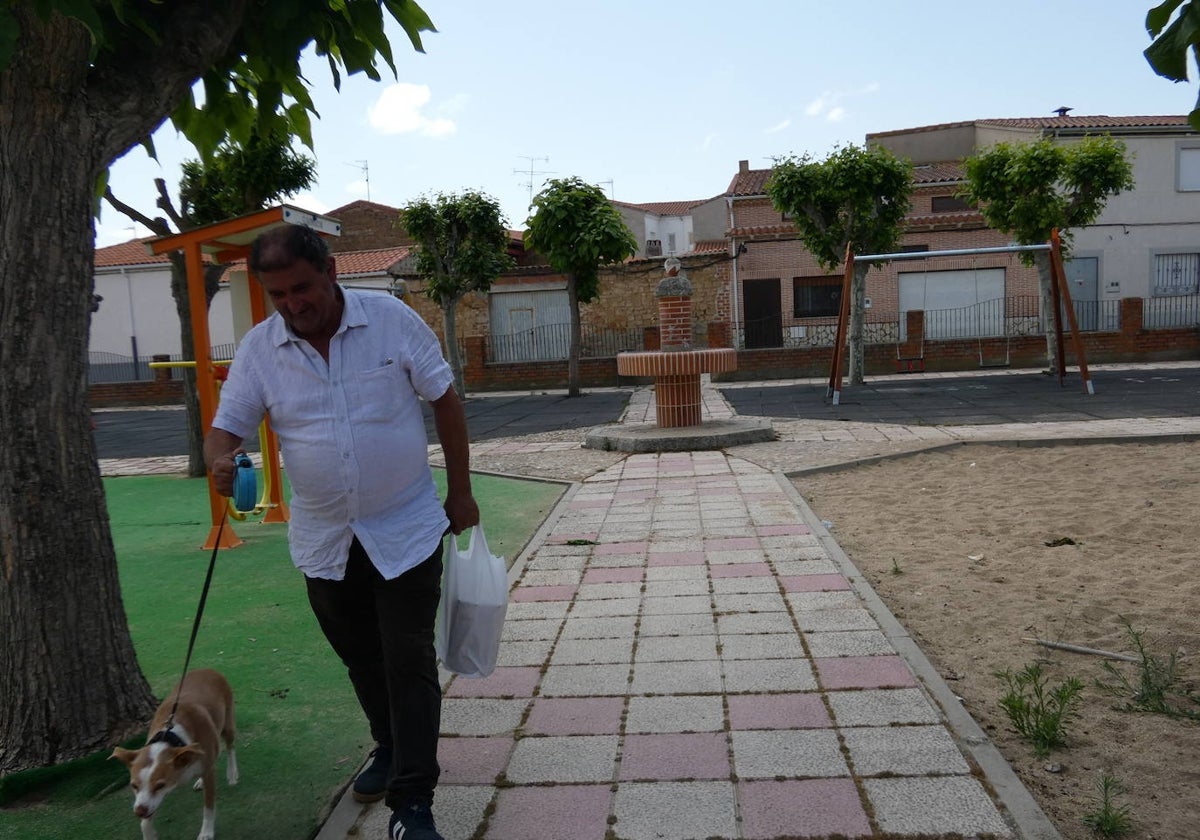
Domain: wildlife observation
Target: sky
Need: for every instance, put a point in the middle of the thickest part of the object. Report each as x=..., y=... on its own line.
x=659, y=101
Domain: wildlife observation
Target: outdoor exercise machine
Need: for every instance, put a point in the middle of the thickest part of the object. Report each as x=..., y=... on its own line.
x=1059, y=292
x=228, y=242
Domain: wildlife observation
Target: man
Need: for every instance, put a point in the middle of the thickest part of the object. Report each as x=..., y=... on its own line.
x=341, y=373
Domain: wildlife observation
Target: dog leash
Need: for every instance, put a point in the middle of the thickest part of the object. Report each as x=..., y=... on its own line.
x=165, y=734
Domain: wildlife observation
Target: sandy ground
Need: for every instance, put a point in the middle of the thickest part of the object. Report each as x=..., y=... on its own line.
x=955, y=544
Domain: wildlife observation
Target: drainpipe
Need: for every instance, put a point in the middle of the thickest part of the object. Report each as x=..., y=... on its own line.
x=733, y=297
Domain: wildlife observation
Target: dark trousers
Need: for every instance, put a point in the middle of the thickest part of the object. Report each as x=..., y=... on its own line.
x=383, y=632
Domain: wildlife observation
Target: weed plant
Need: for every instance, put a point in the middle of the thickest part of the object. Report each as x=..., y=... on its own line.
x=1157, y=685
x=1109, y=818
x=1040, y=713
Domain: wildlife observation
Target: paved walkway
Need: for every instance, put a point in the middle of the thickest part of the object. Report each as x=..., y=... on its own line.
x=689, y=654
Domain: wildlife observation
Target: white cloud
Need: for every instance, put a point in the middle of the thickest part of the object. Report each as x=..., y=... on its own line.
x=836, y=114
x=308, y=201
x=815, y=107
x=828, y=104
x=709, y=140
x=399, y=111
x=358, y=188
x=778, y=127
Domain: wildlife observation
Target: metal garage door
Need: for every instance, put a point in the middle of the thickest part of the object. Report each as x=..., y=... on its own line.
x=957, y=304
x=529, y=326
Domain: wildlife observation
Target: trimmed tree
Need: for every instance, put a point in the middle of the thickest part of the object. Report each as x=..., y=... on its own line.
x=577, y=229
x=462, y=247
x=1175, y=28
x=857, y=197
x=234, y=181
x=81, y=83
x=1028, y=189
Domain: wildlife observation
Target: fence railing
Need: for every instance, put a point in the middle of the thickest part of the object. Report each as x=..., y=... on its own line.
x=552, y=342
x=114, y=367
x=1164, y=313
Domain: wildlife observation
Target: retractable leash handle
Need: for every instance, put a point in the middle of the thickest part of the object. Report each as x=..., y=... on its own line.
x=245, y=486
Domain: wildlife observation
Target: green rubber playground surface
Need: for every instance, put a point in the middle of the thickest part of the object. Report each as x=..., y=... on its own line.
x=301, y=735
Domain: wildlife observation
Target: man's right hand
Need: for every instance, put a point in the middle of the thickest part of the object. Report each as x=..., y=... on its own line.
x=223, y=469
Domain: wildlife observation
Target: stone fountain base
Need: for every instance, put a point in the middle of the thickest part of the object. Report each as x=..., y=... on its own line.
x=650, y=437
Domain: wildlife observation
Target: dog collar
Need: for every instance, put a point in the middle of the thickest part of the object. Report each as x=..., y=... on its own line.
x=168, y=737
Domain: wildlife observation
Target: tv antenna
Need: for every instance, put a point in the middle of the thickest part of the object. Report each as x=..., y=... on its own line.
x=610, y=187
x=364, y=167
x=531, y=172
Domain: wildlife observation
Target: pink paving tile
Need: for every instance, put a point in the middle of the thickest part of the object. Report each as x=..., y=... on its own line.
x=813, y=583
x=731, y=543
x=473, y=761
x=864, y=672
x=777, y=711
x=579, y=812
x=542, y=593
x=696, y=755
x=619, y=548
x=586, y=503
x=616, y=574
x=675, y=558
x=575, y=716
x=728, y=570
x=782, y=530
x=638, y=495
x=504, y=682
x=803, y=808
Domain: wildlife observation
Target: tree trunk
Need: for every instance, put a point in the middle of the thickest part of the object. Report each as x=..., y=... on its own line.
x=69, y=680
x=573, y=353
x=450, y=328
x=1042, y=260
x=858, y=286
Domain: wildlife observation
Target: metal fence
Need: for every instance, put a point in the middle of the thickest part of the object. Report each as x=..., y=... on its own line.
x=114, y=367
x=1173, y=312
x=552, y=342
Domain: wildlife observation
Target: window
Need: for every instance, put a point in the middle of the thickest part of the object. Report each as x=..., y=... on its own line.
x=816, y=297
x=1176, y=274
x=670, y=243
x=653, y=247
x=948, y=204
x=1188, y=168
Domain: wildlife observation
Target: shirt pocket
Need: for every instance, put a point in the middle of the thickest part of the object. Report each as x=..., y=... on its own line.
x=380, y=392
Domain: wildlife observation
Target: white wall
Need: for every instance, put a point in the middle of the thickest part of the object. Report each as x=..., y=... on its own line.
x=137, y=302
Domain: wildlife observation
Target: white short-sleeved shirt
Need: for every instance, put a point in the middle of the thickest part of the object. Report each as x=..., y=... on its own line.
x=351, y=431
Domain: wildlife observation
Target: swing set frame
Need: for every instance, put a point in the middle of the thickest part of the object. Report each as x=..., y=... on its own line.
x=1060, y=294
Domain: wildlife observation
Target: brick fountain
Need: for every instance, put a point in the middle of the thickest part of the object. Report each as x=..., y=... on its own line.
x=677, y=369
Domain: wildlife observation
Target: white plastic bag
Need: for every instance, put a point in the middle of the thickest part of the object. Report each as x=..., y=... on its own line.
x=471, y=613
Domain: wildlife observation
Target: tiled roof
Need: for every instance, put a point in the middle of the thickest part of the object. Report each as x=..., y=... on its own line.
x=369, y=262
x=937, y=173
x=710, y=246
x=133, y=252
x=664, y=208
x=1098, y=122
x=360, y=204
x=750, y=182
x=931, y=221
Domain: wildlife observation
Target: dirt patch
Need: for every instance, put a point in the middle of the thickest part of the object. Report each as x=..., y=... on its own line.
x=955, y=543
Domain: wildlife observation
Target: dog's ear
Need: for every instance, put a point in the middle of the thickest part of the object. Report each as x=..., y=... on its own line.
x=186, y=755
x=123, y=755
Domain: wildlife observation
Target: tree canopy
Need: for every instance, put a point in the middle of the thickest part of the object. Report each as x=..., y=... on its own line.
x=856, y=197
x=1029, y=189
x=462, y=247
x=577, y=229
x=1174, y=27
x=241, y=179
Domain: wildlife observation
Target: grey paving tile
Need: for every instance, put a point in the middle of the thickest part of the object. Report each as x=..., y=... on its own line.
x=741, y=585
x=762, y=646
x=677, y=648
x=585, y=681
x=934, y=806
x=881, y=707
x=676, y=678
x=673, y=573
x=481, y=715
x=603, y=627
x=537, y=628
x=754, y=623
x=842, y=618
x=750, y=676
x=610, y=607
x=676, y=625
x=903, y=751
x=593, y=652
x=675, y=811
x=849, y=643
x=675, y=714
x=678, y=605
x=551, y=577
x=677, y=588
x=767, y=754
x=534, y=652
x=802, y=561
x=564, y=758
x=752, y=602
x=521, y=610
x=810, y=601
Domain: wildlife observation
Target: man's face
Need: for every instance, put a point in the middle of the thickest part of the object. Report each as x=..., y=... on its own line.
x=306, y=297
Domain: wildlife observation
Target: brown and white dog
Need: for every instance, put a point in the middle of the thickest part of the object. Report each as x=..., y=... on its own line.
x=180, y=750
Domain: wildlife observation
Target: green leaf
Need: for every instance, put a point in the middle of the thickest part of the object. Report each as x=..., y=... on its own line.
x=1158, y=17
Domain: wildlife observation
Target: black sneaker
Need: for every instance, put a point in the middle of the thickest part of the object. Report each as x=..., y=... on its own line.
x=413, y=822
x=371, y=784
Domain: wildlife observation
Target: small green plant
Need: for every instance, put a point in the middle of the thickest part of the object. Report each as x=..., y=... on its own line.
x=1156, y=687
x=896, y=570
x=1039, y=713
x=1109, y=818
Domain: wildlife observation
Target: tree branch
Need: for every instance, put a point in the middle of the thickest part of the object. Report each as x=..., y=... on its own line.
x=157, y=226
x=164, y=203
